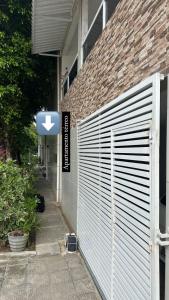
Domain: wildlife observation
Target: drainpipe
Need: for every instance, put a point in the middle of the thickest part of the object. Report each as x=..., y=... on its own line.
x=58, y=173
x=167, y=201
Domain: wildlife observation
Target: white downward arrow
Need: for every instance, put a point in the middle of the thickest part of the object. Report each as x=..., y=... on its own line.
x=48, y=124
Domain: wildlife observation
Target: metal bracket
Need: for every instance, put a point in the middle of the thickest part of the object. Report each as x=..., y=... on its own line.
x=150, y=137
x=161, y=237
x=162, y=76
x=49, y=54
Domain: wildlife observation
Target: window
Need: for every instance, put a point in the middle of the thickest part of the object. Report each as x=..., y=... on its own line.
x=93, y=33
x=99, y=12
x=93, y=7
x=65, y=87
x=70, y=76
x=111, y=5
x=97, y=22
x=73, y=72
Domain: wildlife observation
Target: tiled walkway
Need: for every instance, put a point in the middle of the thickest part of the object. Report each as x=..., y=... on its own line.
x=49, y=275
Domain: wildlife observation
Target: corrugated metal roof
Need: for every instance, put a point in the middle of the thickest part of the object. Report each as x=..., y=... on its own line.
x=50, y=20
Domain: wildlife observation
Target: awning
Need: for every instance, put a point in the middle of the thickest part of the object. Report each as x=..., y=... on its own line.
x=50, y=21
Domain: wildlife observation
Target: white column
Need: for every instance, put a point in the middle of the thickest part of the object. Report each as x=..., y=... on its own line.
x=104, y=13
x=167, y=201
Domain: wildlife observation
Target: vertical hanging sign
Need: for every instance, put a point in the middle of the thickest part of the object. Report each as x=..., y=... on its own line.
x=65, y=141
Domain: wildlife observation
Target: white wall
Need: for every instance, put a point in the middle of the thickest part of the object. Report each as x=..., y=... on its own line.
x=69, y=185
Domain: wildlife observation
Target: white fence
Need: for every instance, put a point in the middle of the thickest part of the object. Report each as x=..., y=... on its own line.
x=118, y=196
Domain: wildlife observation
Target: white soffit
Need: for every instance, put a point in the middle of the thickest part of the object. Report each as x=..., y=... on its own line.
x=50, y=21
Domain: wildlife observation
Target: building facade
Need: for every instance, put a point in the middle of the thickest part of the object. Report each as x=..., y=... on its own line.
x=113, y=63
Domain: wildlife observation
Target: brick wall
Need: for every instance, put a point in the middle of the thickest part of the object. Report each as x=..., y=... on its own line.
x=134, y=45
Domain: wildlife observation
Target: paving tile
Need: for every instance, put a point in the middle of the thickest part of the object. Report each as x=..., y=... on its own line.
x=37, y=267
x=56, y=263
x=16, y=271
x=41, y=292
x=19, y=293
x=13, y=282
x=89, y=296
x=50, y=220
x=64, y=297
x=63, y=290
x=79, y=273
x=84, y=286
x=2, y=272
x=73, y=260
x=15, y=276
x=49, y=235
x=34, y=259
x=3, y=260
x=37, y=280
x=49, y=248
x=17, y=261
x=60, y=277
x=1, y=283
x=3, y=256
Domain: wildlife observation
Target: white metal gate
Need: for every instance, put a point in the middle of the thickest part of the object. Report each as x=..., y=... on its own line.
x=118, y=197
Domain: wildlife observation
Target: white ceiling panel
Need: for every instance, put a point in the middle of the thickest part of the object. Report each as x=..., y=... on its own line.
x=50, y=21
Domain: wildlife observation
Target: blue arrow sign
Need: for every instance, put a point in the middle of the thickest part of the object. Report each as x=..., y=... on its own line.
x=48, y=123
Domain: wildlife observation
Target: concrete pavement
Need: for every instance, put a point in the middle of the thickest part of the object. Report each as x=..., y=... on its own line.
x=51, y=274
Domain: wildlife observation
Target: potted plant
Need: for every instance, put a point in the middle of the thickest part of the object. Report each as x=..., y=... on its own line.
x=17, y=205
x=17, y=240
x=25, y=220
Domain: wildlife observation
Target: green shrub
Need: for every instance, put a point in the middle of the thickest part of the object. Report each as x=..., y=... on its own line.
x=17, y=201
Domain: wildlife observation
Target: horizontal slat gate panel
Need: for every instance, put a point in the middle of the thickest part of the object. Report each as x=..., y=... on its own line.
x=93, y=172
x=105, y=169
x=132, y=158
x=132, y=192
x=132, y=209
x=102, y=191
x=132, y=165
x=108, y=115
x=127, y=275
x=101, y=214
x=131, y=171
x=95, y=206
x=106, y=246
x=129, y=250
x=143, y=256
x=102, y=187
x=115, y=194
x=131, y=202
x=134, y=186
x=141, y=117
x=131, y=178
x=104, y=207
x=123, y=215
x=131, y=136
x=93, y=146
x=139, y=276
x=122, y=119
